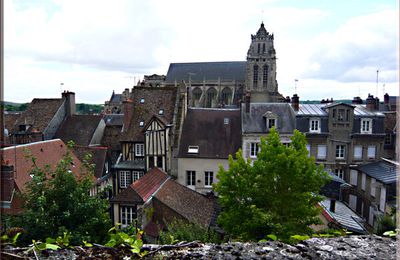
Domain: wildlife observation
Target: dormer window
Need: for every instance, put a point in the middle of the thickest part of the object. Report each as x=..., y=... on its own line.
x=315, y=125
x=193, y=149
x=142, y=101
x=161, y=112
x=226, y=121
x=141, y=123
x=271, y=122
x=366, y=126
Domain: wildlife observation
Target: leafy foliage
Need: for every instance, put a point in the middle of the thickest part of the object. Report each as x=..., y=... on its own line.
x=276, y=194
x=57, y=203
x=179, y=230
x=385, y=223
x=118, y=238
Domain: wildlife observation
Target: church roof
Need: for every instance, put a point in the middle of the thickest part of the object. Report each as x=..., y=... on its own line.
x=199, y=71
x=262, y=31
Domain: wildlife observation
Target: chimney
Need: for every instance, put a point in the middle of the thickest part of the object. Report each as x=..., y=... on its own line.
x=295, y=102
x=128, y=112
x=357, y=100
x=370, y=102
x=332, y=205
x=69, y=98
x=386, y=99
x=287, y=99
x=247, y=102
x=376, y=103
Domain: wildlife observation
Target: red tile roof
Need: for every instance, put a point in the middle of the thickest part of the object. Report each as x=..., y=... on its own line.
x=149, y=183
x=46, y=153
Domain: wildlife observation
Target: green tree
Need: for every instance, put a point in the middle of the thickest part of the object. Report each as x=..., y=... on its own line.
x=276, y=195
x=56, y=201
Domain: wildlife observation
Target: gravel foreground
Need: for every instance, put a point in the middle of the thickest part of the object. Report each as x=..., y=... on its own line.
x=349, y=247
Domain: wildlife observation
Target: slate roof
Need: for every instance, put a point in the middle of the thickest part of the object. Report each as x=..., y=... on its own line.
x=46, y=153
x=254, y=122
x=10, y=118
x=154, y=100
x=99, y=157
x=116, y=98
x=383, y=171
x=78, y=128
x=191, y=205
x=141, y=190
x=204, y=127
x=199, y=71
x=320, y=110
x=39, y=113
x=114, y=119
x=344, y=216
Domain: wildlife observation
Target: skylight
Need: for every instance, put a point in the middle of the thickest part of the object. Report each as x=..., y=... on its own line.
x=161, y=112
x=193, y=149
x=141, y=123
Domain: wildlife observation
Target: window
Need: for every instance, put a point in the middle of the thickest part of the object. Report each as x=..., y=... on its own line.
x=339, y=173
x=314, y=126
x=339, y=151
x=193, y=149
x=388, y=139
x=139, y=149
x=161, y=112
x=340, y=115
x=321, y=151
x=142, y=101
x=226, y=121
x=208, y=178
x=334, y=113
x=125, y=179
x=190, y=178
x=141, y=123
x=197, y=93
x=366, y=126
x=151, y=162
x=136, y=175
x=128, y=214
x=371, y=151
x=363, y=181
x=357, y=152
x=271, y=122
x=353, y=177
x=265, y=76
x=160, y=162
x=308, y=149
x=253, y=150
x=353, y=202
x=258, y=48
x=255, y=75
x=373, y=187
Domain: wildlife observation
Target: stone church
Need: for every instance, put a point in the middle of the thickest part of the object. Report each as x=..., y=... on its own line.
x=225, y=84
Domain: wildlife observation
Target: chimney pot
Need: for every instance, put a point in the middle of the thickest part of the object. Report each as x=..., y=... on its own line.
x=295, y=102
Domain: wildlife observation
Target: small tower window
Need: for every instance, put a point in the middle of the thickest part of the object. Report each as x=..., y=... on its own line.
x=141, y=123
x=265, y=76
x=142, y=101
x=255, y=75
x=258, y=48
x=161, y=112
x=263, y=51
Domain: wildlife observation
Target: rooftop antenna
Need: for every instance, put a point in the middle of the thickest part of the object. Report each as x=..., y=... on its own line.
x=295, y=85
x=377, y=77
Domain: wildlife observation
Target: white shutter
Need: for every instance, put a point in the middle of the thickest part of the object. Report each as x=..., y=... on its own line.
x=353, y=202
x=373, y=188
x=321, y=154
x=353, y=177
x=371, y=216
x=371, y=152
x=363, y=181
x=308, y=149
x=358, y=152
x=382, y=200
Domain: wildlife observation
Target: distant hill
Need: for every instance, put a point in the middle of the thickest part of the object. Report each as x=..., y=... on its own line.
x=81, y=108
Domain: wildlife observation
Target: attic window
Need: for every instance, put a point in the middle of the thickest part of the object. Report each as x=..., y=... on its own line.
x=193, y=149
x=161, y=112
x=226, y=121
x=142, y=101
x=141, y=123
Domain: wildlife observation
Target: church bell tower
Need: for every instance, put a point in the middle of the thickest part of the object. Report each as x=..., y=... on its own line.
x=261, y=68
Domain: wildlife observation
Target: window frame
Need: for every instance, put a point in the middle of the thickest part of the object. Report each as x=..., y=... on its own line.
x=127, y=215
x=340, y=151
x=339, y=172
x=190, y=178
x=208, y=178
x=124, y=175
x=254, y=149
x=354, y=152
x=366, y=126
x=139, y=147
x=312, y=125
x=374, y=152
x=318, y=151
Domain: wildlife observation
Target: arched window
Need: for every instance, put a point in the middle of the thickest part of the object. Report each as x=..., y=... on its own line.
x=197, y=93
x=258, y=48
x=211, y=96
x=263, y=48
x=255, y=75
x=265, y=76
x=226, y=96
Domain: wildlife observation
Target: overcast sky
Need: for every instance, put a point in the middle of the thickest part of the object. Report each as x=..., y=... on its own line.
x=93, y=47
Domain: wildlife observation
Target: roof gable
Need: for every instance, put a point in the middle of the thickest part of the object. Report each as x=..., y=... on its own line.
x=78, y=128
x=149, y=183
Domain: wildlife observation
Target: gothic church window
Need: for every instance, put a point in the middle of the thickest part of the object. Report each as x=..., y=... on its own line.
x=263, y=50
x=226, y=96
x=211, y=95
x=258, y=48
x=197, y=93
x=265, y=75
x=255, y=75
